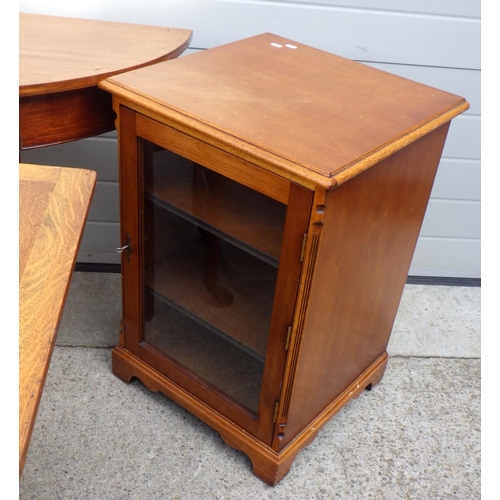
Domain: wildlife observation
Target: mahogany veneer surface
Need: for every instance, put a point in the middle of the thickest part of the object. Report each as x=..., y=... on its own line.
x=62, y=59
x=61, y=53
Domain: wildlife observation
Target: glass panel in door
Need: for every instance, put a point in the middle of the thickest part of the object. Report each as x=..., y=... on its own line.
x=212, y=249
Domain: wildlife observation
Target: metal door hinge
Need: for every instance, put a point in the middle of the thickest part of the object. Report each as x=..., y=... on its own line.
x=303, y=251
x=288, y=334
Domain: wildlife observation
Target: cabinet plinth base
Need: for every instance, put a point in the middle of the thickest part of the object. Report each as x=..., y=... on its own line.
x=268, y=465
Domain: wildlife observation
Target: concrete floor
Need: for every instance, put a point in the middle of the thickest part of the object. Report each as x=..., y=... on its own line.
x=415, y=436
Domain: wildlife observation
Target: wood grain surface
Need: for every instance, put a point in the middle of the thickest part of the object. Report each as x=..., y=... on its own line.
x=60, y=53
x=370, y=228
x=53, y=205
x=305, y=111
x=62, y=59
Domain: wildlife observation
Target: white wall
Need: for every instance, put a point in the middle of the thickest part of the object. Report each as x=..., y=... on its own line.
x=436, y=42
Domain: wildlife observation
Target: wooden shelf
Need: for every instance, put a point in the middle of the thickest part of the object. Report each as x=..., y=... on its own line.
x=229, y=367
x=179, y=280
x=244, y=217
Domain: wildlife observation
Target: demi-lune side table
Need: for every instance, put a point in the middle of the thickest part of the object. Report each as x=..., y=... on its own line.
x=62, y=59
x=272, y=195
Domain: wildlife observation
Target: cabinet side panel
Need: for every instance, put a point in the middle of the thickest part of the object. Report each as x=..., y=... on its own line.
x=371, y=226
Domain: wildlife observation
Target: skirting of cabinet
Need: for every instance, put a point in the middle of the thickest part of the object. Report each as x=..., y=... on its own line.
x=268, y=465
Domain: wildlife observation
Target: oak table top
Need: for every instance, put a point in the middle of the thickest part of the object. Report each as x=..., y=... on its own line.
x=53, y=206
x=68, y=56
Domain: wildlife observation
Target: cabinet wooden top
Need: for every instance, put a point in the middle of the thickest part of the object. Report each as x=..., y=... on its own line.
x=59, y=53
x=302, y=110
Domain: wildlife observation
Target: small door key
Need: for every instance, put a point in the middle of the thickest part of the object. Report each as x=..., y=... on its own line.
x=125, y=247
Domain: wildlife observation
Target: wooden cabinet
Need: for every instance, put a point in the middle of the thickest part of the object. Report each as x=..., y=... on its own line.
x=271, y=199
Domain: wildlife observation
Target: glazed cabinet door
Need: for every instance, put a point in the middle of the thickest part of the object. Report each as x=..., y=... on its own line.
x=211, y=268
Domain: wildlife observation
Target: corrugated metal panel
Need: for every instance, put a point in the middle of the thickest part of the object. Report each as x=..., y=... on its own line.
x=464, y=82
x=436, y=42
x=464, y=138
x=452, y=219
x=105, y=203
x=457, y=258
x=380, y=32
x=462, y=8
x=99, y=243
x=98, y=153
x=458, y=180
